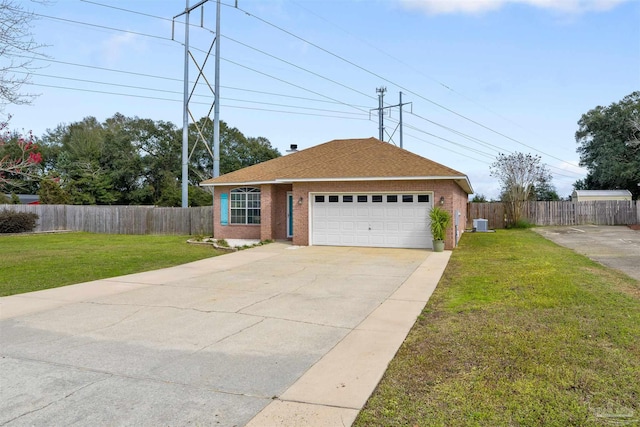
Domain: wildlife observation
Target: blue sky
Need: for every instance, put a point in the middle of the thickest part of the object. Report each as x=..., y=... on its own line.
x=483, y=76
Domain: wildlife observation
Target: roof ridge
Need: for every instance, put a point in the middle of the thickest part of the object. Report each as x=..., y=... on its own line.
x=330, y=154
x=352, y=159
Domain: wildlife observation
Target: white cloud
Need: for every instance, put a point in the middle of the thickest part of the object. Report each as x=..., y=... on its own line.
x=114, y=47
x=435, y=7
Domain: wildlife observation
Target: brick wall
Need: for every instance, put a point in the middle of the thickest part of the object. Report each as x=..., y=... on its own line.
x=454, y=199
x=273, y=215
x=278, y=212
x=230, y=231
x=274, y=206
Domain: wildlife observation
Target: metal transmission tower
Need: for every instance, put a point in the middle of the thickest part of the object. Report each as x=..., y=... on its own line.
x=380, y=110
x=188, y=93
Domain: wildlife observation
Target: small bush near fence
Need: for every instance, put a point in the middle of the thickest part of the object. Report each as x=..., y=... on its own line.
x=17, y=222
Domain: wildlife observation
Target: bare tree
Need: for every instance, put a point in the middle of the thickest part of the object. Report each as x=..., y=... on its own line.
x=519, y=174
x=17, y=52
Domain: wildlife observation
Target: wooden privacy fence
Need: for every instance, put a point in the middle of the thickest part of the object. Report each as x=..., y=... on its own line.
x=561, y=213
x=121, y=219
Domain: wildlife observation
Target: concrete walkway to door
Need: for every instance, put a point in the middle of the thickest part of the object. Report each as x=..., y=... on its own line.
x=276, y=335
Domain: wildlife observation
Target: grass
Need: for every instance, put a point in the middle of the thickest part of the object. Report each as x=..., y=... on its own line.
x=40, y=261
x=520, y=332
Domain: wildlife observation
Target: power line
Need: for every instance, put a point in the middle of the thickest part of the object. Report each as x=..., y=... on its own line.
x=198, y=95
x=230, y=99
x=499, y=151
x=237, y=42
x=282, y=60
x=264, y=21
x=299, y=67
x=232, y=62
x=331, y=100
x=447, y=149
x=180, y=80
x=464, y=135
x=248, y=108
x=195, y=102
x=482, y=153
x=127, y=10
x=466, y=147
x=395, y=58
x=104, y=27
x=294, y=85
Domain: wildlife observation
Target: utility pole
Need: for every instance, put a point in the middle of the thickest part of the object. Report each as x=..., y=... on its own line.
x=380, y=91
x=216, y=89
x=400, y=104
x=381, y=109
x=186, y=112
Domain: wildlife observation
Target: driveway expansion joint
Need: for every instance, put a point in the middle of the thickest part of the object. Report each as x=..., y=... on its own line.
x=326, y=405
x=111, y=375
x=56, y=400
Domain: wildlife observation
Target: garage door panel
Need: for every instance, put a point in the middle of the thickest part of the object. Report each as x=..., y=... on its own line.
x=379, y=224
x=333, y=226
x=392, y=212
x=348, y=226
x=320, y=226
x=362, y=226
x=410, y=226
x=333, y=212
x=409, y=212
x=392, y=226
x=377, y=240
x=376, y=226
x=394, y=241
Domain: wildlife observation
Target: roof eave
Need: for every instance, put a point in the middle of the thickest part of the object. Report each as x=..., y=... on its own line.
x=219, y=184
x=461, y=180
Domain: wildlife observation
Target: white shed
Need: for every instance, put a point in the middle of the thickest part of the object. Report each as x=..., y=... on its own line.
x=597, y=195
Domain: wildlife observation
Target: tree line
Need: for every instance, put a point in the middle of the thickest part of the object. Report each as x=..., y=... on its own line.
x=609, y=146
x=122, y=161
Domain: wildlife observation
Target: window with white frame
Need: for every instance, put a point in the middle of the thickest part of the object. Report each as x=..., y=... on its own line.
x=245, y=205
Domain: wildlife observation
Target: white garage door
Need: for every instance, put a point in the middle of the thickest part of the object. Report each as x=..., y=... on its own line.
x=376, y=220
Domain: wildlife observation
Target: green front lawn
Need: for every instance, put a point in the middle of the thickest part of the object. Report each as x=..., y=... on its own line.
x=33, y=262
x=519, y=332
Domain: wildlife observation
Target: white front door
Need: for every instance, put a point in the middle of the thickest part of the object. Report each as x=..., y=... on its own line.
x=392, y=220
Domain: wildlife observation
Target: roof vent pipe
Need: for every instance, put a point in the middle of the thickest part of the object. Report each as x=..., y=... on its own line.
x=293, y=149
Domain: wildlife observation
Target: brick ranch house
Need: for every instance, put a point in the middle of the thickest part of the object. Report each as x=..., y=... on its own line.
x=349, y=192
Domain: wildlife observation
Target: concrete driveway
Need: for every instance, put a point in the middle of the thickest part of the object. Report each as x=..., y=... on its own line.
x=275, y=335
x=614, y=246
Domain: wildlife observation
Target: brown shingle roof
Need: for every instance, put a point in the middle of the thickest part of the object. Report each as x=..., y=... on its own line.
x=341, y=158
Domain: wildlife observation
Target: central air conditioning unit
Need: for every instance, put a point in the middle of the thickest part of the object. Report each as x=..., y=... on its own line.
x=480, y=224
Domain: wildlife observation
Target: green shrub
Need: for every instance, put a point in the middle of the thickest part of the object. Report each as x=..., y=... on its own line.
x=223, y=243
x=17, y=222
x=521, y=223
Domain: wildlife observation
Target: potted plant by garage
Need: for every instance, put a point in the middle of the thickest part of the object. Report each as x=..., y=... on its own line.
x=440, y=221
